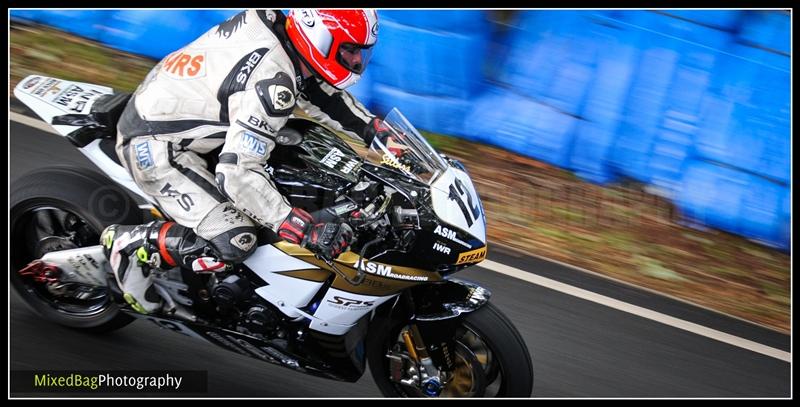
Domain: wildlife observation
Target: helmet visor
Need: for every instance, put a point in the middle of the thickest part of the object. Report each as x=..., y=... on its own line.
x=354, y=57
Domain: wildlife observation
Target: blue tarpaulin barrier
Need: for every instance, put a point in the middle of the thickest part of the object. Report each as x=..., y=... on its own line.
x=90, y=23
x=726, y=20
x=523, y=125
x=432, y=63
x=463, y=22
x=441, y=114
x=156, y=33
x=735, y=201
x=768, y=29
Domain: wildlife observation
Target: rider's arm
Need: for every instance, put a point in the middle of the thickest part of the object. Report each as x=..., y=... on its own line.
x=337, y=109
x=240, y=174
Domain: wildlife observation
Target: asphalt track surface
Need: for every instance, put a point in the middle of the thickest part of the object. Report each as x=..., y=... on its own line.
x=579, y=348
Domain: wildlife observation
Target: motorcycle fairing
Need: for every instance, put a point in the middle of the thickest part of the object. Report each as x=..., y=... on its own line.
x=455, y=202
x=293, y=278
x=51, y=97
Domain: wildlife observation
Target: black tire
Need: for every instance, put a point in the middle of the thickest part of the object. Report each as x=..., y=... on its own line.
x=513, y=361
x=93, y=198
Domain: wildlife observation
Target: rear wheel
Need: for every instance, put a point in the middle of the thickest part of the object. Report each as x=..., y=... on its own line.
x=58, y=209
x=491, y=360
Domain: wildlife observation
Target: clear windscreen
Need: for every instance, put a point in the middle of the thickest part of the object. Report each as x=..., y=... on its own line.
x=404, y=149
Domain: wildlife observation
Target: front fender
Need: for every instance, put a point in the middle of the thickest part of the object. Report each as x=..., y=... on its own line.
x=448, y=300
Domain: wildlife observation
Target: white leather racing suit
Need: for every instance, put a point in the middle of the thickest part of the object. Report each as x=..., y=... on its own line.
x=235, y=86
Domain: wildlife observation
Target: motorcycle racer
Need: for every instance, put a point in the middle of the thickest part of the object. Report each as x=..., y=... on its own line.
x=235, y=86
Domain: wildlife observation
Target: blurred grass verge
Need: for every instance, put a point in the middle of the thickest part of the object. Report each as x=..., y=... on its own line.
x=532, y=208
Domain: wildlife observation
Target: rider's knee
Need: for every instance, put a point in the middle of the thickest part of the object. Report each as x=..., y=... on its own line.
x=230, y=232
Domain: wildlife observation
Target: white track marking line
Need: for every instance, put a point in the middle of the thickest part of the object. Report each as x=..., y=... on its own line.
x=636, y=310
x=566, y=289
x=31, y=122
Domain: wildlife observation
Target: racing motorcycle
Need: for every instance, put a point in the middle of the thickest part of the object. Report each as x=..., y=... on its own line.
x=390, y=300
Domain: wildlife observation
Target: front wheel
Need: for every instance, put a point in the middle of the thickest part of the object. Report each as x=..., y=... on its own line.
x=491, y=359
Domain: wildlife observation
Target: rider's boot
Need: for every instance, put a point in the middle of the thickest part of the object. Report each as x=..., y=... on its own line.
x=134, y=251
x=132, y=263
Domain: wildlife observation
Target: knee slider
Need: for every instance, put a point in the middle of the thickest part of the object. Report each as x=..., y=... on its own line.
x=230, y=232
x=236, y=244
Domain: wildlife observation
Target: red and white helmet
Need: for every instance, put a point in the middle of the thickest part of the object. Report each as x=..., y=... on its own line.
x=336, y=44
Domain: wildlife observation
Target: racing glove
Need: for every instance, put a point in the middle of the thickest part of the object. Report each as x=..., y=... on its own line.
x=374, y=129
x=377, y=128
x=294, y=227
x=329, y=240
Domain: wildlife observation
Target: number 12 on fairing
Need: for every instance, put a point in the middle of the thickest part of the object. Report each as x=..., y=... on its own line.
x=457, y=191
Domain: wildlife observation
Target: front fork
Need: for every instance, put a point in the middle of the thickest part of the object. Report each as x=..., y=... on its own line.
x=429, y=347
x=430, y=340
